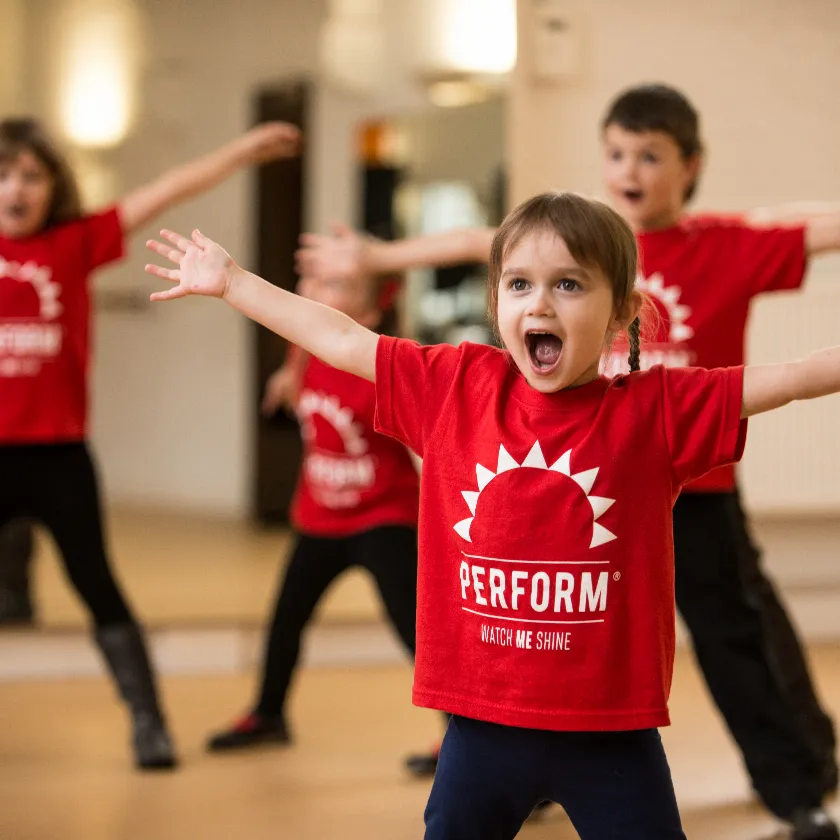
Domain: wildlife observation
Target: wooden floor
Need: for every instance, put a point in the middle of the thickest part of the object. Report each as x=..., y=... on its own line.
x=65, y=775
x=65, y=772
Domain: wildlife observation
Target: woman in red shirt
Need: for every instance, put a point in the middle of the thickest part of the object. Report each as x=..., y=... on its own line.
x=545, y=621
x=48, y=250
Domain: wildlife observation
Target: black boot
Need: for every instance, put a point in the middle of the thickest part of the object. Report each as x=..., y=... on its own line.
x=16, y=550
x=125, y=654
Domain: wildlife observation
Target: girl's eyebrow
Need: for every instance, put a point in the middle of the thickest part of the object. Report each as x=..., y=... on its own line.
x=577, y=271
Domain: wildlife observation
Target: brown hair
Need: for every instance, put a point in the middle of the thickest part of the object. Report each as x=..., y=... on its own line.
x=595, y=236
x=27, y=135
x=659, y=108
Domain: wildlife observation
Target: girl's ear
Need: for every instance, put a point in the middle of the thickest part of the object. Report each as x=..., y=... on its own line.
x=629, y=312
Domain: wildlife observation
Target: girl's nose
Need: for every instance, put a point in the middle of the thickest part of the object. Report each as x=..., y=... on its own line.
x=540, y=303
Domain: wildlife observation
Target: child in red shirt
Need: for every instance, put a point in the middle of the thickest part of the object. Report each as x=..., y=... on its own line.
x=701, y=274
x=546, y=590
x=355, y=505
x=48, y=250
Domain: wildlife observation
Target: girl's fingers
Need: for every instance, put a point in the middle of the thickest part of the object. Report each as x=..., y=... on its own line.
x=176, y=239
x=172, y=274
x=172, y=254
x=170, y=294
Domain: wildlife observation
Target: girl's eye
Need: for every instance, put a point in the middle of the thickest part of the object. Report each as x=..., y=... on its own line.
x=518, y=284
x=650, y=158
x=568, y=285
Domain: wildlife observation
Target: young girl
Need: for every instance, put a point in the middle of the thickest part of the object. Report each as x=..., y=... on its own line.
x=48, y=249
x=355, y=505
x=701, y=273
x=546, y=577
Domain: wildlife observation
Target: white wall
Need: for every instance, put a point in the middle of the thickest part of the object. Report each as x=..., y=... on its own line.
x=11, y=55
x=764, y=75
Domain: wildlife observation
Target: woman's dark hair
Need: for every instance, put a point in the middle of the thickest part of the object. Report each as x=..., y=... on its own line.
x=27, y=135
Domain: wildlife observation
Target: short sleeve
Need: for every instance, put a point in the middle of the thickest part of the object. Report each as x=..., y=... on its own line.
x=771, y=259
x=702, y=415
x=104, y=238
x=412, y=383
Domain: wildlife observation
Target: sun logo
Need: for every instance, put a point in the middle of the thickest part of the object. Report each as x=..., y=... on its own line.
x=668, y=298
x=40, y=277
x=340, y=418
x=536, y=460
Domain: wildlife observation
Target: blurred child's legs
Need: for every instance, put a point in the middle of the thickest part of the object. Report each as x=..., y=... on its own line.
x=760, y=687
x=613, y=785
x=389, y=553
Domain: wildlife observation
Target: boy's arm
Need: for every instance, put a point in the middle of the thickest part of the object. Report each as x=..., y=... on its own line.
x=771, y=386
x=204, y=268
x=259, y=145
x=821, y=221
x=348, y=254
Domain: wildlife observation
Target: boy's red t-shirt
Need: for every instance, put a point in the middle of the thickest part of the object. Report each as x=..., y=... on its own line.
x=352, y=479
x=45, y=326
x=546, y=578
x=701, y=277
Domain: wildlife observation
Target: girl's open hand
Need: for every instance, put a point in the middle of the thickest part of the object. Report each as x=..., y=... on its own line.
x=204, y=267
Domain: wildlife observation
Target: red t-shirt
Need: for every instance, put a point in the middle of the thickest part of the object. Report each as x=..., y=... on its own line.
x=44, y=327
x=546, y=580
x=701, y=277
x=352, y=479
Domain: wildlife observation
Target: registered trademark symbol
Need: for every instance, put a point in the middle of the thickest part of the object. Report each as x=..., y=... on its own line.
x=616, y=575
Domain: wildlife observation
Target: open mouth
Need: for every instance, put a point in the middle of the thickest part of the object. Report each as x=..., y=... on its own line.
x=633, y=196
x=16, y=211
x=544, y=351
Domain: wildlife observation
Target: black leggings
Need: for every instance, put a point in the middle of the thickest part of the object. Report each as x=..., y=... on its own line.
x=56, y=484
x=17, y=545
x=389, y=553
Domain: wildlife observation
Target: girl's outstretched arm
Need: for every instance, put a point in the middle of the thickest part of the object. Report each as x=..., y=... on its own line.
x=771, y=386
x=264, y=143
x=348, y=254
x=205, y=268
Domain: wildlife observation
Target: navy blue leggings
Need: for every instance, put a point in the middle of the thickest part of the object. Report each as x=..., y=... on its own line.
x=612, y=785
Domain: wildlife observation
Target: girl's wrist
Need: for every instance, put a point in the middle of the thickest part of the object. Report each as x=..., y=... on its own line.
x=233, y=280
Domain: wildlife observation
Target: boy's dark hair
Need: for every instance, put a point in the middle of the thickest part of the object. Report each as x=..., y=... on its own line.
x=595, y=236
x=27, y=135
x=659, y=108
